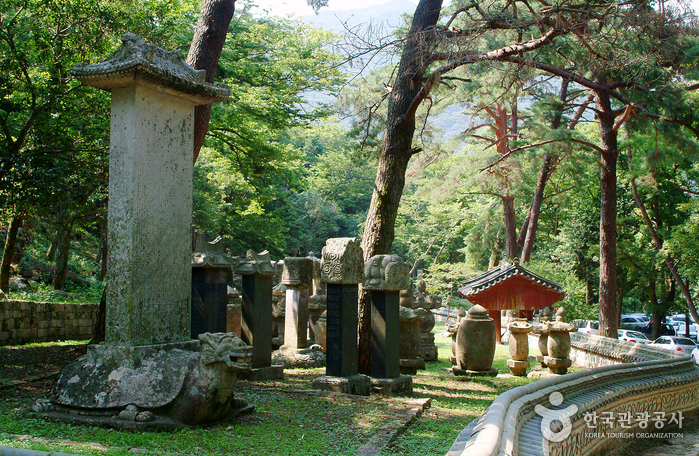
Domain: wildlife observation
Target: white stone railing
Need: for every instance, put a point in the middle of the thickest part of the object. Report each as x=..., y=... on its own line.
x=642, y=380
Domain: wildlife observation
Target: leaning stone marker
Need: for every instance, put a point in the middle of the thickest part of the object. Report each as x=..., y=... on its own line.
x=149, y=373
x=384, y=277
x=342, y=269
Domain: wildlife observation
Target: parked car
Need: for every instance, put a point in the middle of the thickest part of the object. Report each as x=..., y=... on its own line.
x=633, y=336
x=681, y=330
x=675, y=343
x=665, y=329
x=589, y=327
x=695, y=355
x=634, y=322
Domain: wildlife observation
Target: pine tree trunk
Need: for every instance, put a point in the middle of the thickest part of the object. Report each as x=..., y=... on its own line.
x=395, y=155
x=9, y=251
x=204, y=53
x=63, y=238
x=508, y=208
x=608, y=207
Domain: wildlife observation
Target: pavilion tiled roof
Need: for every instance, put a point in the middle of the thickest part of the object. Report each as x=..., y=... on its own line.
x=499, y=274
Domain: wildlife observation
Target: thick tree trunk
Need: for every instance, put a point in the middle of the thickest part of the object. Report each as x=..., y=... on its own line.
x=608, y=206
x=204, y=53
x=63, y=238
x=9, y=251
x=394, y=158
x=508, y=209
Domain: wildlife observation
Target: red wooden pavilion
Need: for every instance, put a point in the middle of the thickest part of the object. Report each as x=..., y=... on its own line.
x=511, y=287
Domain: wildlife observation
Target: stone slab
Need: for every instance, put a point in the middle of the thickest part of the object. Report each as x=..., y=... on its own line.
x=305, y=358
x=492, y=372
x=358, y=384
x=341, y=332
x=257, y=318
x=273, y=372
x=411, y=366
x=401, y=385
x=385, y=339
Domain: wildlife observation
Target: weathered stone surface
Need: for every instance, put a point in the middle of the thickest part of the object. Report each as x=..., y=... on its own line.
x=519, y=341
x=322, y=331
x=298, y=271
x=190, y=382
x=211, y=254
x=137, y=60
x=358, y=384
x=475, y=341
x=385, y=330
x=428, y=349
x=306, y=358
x=401, y=385
x=342, y=261
x=255, y=263
x=386, y=273
x=410, y=341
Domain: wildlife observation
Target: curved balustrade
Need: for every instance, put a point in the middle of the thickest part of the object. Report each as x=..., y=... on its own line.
x=631, y=380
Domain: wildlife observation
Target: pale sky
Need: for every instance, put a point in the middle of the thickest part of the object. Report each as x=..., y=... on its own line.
x=301, y=8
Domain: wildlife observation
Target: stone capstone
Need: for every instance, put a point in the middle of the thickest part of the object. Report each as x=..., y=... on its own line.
x=298, y=271
x=386, y=273
x=136, y=59
x=342, y=261
x=211, y=254
x=256, y=263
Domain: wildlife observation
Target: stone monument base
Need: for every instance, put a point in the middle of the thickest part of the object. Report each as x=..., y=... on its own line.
x=305, y=358
x=274, y=372
x=397, y=386
x=410, y=366
x=558, y=365
x=428, y=350
x=492, y=372
x=518, y=368
x=358, y=384
x=538, y=373
x=161, y=386
x=540, y=359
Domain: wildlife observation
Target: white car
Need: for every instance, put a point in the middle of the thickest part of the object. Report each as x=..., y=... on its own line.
x=695, y=355
x=675, y=343
x=589, y=327
x=634, y=322
x=632, y=336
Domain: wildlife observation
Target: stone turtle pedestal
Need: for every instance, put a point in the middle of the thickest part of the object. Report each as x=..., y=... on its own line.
x=384, y=277
x=297, y=277
x=342, y=270
x=149, y=374
x=519, y=347
x=475, y=344
x=257, y=271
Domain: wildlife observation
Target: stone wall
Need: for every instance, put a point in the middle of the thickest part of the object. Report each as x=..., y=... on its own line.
x=24, y=321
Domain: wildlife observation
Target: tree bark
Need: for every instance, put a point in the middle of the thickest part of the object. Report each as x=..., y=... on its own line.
x=395, y=155
x=204, y=53
x=9, y=251
x=63, y=238
x=508, y=209
x=608, y=207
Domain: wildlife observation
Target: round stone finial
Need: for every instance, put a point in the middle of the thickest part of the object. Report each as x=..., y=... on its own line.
x=561, y=314
x=477, y=312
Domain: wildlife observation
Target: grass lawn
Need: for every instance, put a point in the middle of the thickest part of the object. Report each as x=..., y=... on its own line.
x=289, y=419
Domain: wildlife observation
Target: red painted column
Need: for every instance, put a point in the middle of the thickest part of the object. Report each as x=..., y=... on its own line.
x=495, y=315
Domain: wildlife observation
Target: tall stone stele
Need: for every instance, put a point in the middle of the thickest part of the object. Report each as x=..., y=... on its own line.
x=149, y=373
x=384, y=277
x=342, y=268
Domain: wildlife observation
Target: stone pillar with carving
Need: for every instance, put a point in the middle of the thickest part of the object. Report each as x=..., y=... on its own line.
x=558, y=344
x=149, y=373
x=342, y=268
x=384, y=277
x=428, y=349
x=542, y=330
x=519, y=346
x=297, y=277
x=257, y=271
